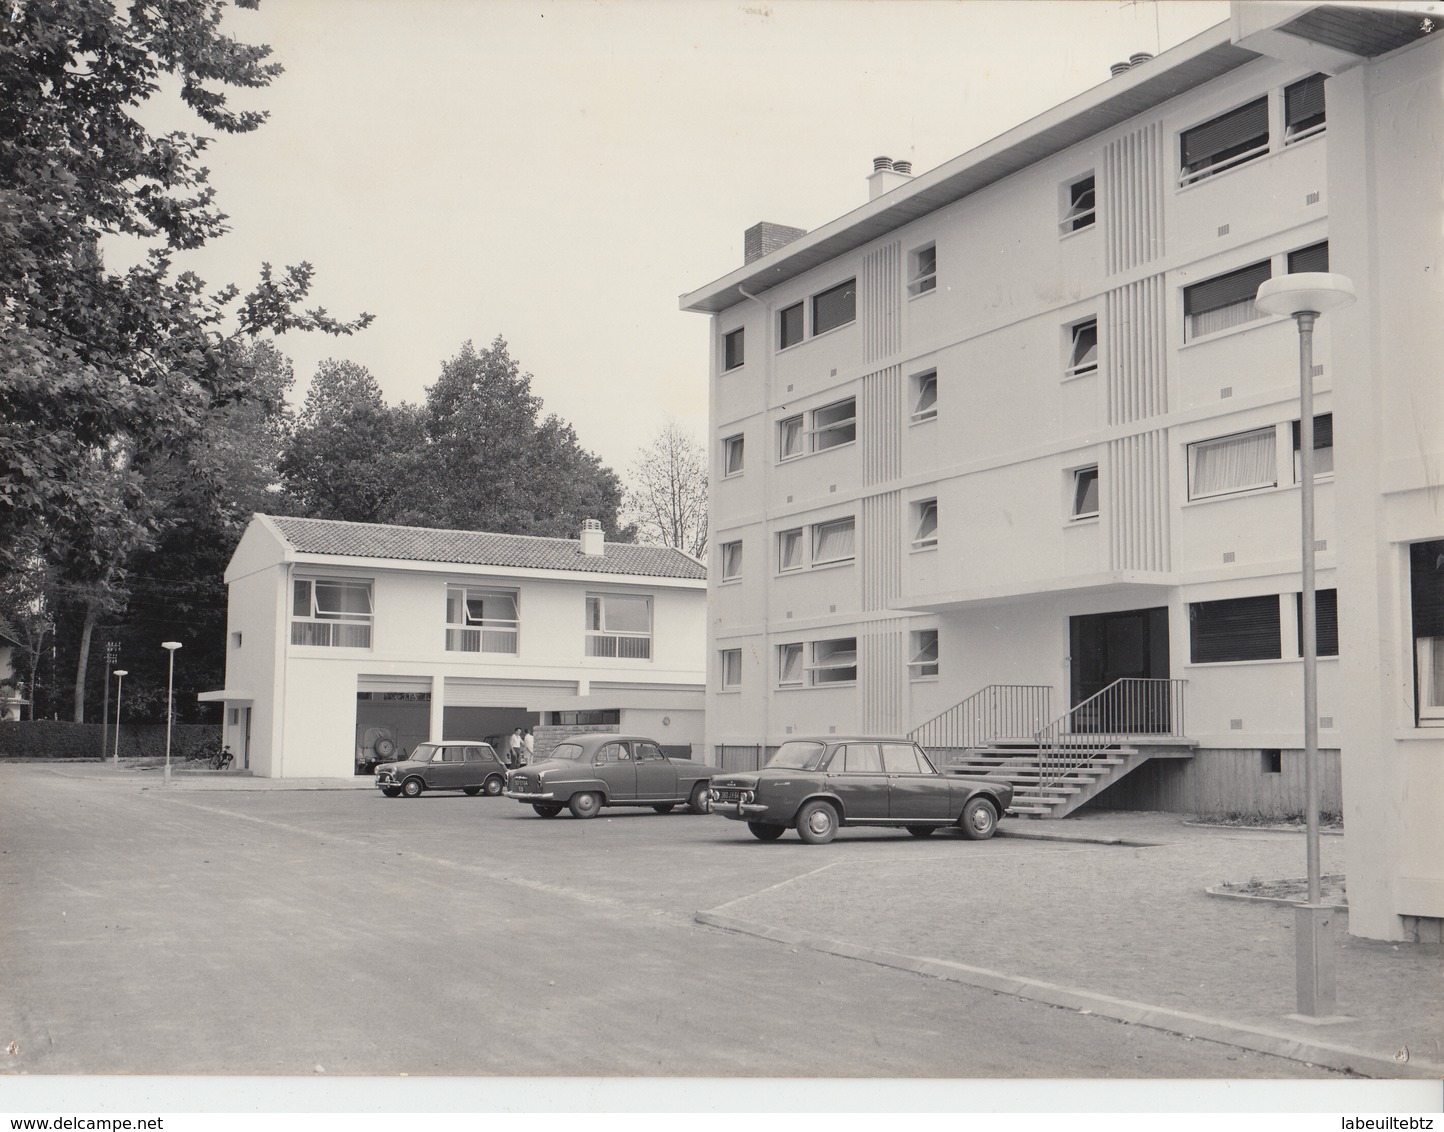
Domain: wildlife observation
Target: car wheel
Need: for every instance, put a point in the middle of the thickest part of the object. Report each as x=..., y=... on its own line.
x=765, y=832
x=585, y=805
x=701, y=800
x=666, y=808
x=413, y=787
x=494, y=786
x=547, y=809
x=391, y=791
x=979, y=820
x=922, y=830
x=817, y=823
x=471, y=791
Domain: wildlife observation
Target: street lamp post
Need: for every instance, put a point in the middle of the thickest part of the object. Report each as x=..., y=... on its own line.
x=112, y=653
x=170, y=647
x=120, y=675
x=1304, y=296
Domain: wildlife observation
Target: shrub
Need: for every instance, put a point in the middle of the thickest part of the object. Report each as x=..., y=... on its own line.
x=55, y=739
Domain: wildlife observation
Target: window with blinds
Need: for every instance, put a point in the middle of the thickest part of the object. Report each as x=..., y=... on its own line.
x=1227, y=464
x=1426, y=594
x=789, y=326
x=1241, y=628
x=1323, y=446
x=1304, y=109
x=1225, y=301
x=732, y=349
x=1326, y=622
x=1315, y=257
x=834, y=307
x=1224, y=142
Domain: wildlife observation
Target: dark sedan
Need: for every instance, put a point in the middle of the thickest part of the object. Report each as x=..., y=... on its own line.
x=587, y=772
x=817, y=786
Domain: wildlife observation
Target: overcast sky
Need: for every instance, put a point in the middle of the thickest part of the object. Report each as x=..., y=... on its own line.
x=558, y=173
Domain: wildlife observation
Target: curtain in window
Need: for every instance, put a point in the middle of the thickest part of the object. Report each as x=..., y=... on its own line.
x=731, y=559
x=1232, y=463
x=789, y=550
x=1224, y=302
x=789, y=664
x=789, y=434
x=732, y=456
x=834, y=541
x=731, y=668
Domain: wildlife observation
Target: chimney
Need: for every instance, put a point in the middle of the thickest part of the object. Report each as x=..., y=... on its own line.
x=887, y=175
x=765, y=238
x=592, y=540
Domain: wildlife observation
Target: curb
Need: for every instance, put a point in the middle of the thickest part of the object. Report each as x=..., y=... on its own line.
x=1218, y=890
x=1077, y=838
x=1329, y=1056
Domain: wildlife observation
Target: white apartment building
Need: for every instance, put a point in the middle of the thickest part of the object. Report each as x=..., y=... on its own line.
x=1008, y=453
x=342, y=635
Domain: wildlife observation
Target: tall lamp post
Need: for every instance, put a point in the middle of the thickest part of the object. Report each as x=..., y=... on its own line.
x=120, y=674
x=170, y=647
x=112, y=654
x=1305, y=296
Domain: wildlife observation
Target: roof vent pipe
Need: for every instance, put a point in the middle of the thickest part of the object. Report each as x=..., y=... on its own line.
x=593, y=542
x=905, y=167
x=1139, y=57
x=1119, y=68
x=881, y=163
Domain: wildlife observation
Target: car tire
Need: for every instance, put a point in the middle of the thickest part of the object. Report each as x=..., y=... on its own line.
x=765, y=831
x=471, y=791
x=700, y=801
x=412, y=787
x=493, y=786
x=585, y=805
x=391, y=791
x=922, y=830
x=817, y=823
x=980, y=819
x=665, y=808
x=547, y=809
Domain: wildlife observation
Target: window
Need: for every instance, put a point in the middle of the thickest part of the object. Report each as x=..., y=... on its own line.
x=1232, y=463
x=1080, y=211
x=789, y=438
x=925, y=654
x=903, y=758
x=1083, y=349
x=732, y=349
x=731, y=561
x=1085, y=493
x=789, y=550
x=789, y=664
x=857, y=758
x=834, y=424
x=1426, y=593
x=619, y=625
x=1244, y=628
x=833, y=542
x=1304, y=109
x=923, y=274
x=331, y=613
x=1323, y=445
x=481, y=620
x=1226, y=141
x=732, y=456
x=1315, y=257
x=834, y=662
x=731, y=669
x=789, y=326
x=1224, y=302
x=1326, y=622
x=925, y=395
x=925, y=524
x=1272, y=760
x=834, y=307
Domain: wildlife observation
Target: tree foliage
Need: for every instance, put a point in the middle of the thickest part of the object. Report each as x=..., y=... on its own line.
x=667, y=492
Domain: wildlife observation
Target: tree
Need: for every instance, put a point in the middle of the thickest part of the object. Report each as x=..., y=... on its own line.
x=667, y=492
x=98, y=366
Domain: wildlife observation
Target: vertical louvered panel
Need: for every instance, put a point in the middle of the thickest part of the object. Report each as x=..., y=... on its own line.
x=881, y=295
x=880, y=426
x=1137, y=501
x=882, y=674
x=1132, y=192
x=1134, y=350
x=880, y=549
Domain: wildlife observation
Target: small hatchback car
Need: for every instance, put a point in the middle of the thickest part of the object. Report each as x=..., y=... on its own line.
x=816, y=786
x=586, y=772
x=465, y=765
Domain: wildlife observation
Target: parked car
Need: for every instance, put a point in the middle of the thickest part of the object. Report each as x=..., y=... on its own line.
x=817, y=786
x=586, y=772
x=456, y=764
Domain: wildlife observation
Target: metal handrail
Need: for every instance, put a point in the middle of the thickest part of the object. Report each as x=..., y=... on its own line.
x=1125, y=710
x=993, y=712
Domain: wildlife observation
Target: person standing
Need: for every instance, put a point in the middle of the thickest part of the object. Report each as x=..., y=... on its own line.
x=513, y=749
x=528, y=744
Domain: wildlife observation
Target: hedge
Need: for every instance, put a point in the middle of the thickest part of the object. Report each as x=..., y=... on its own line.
x=53, y=739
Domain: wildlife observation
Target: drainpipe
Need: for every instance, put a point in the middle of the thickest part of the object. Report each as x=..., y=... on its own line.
x=768, y=690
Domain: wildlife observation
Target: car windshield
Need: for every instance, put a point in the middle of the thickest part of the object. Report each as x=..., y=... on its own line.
x=796, y=756
x=569, y=751
x=422, y=752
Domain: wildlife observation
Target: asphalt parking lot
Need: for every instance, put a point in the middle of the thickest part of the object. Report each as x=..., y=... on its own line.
x=338, y=932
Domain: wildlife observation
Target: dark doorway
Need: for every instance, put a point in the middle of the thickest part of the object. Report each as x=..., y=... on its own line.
x=1106, y=647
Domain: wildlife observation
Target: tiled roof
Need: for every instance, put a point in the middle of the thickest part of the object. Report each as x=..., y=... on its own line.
x=478, y=548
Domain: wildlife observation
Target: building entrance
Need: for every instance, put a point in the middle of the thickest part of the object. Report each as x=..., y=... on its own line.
x=1129, y=644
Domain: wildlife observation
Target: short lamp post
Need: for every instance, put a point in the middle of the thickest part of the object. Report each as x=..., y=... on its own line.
x=1304, y=296
x=170, y=647
x=120, y=674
